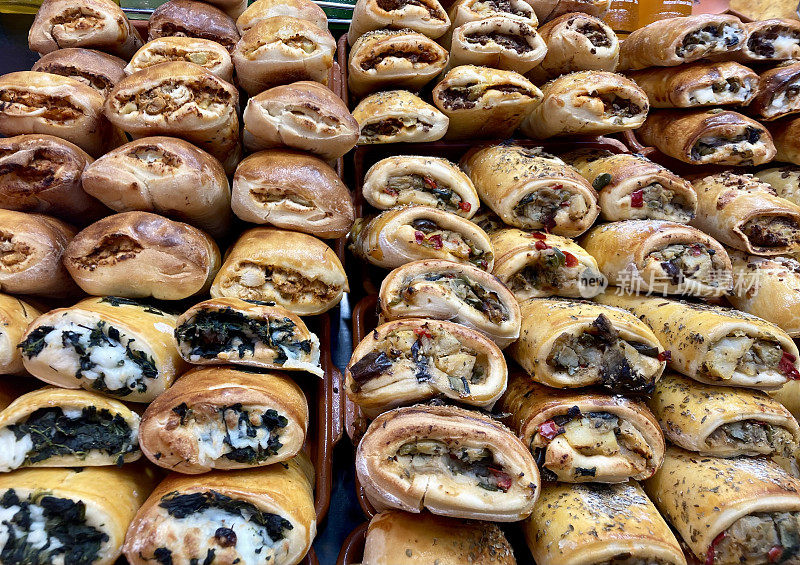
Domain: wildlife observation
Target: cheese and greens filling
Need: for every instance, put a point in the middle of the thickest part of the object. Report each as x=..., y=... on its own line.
x=547, y=207
x=428, y=233
x=784, y=100
x=772, y=231
x=657, y=202
x=723, y=91
x=422, y=189
x=742, y=144
x=774, y=42
x=682, y=261
x=753, y=435
x=763, y=537
x=743, y=355
x=710, y=39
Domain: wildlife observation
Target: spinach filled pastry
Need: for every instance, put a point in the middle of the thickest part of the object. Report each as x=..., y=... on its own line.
x=716, y=345
x=58, y=427
x=294, y=270
x=188, y=18
x=263, y=515
x=444, y=290
x=784, y=180
x=398, y=116
x=547, y=10
x=770, y=40
x=15, y=316
x=415, y=359
x=484, y=102
x=531, y=189
x=204, y=52
x=729, y=511
x=258, y=334
x=115, y=346
x=417, y=179
x=497, y=41
x=224, y=418
x=450, y=461
x=587, y=344
x=427, y=17
x=585, y=524
x=264, y=9
x=587, y=102
x=778, y=91
x=99, y=70
x=786, y=136
x=409, y=233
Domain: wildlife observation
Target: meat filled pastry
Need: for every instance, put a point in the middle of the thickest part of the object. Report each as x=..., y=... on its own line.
x=58, y=427
x=667, y=43
x=786, y=136
x=463, y=11
x=99, y=70
x=91, y=24
x=702, y=137
x=304, y=115
x=414, y=360
x=744, y=213
x=587, y=102
x=483, y=102
x=778, y=92
x=397, y=116
x=498, y=41
x=632, y=187
x=225, y=418
x=258, y=334
x=729, y=511
x=263, y=515
x=204, y=52
x=587, y=344
x=115, y=346
x=584, y=525
x=164, y=175
x=188, y=18
x=424, y=16
x=409, y=233
x=547, y=10
x=76, y=515
x=531, y=189
x=716, y=345
x=15, y=316
x=294, y=270
x=784, y=180
x=264, y=9
x=538, y=265
x=416, y=179
x=444, y=290
x=450, y=461
x=394, y=534
x=698, y=84
x=292, y=190
x=770, y=40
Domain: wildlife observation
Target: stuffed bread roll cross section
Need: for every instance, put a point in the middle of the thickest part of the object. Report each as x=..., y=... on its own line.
x=778, y=92
x=263, y=9
x=577, y=42
x=498, y=41
x=770, y=40
x=549, y=9
x=99, y=70
x=424, y=16
x=189, y=18
x=450, y=461
x=15, y=316
x=397, y=116
x=463, y=11
x=204, y=52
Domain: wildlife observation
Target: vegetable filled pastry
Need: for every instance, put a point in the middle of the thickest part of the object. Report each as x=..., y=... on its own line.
x=538, y=265
x=414, y=359
x=258, y=334
x=424, y=16
x=204, y=52
x=770, y=40
x=58, y=427
x=716, y=345
x=667, y=43
x=444, y=290
x=115, y=346
x=577, y=42
x=587, y=344
x=99, y=70
x=587, y=102
x=729, y=511
x=659, y=256
x=416, y=179
x=263, y=9
x=263, y=515
x=294, y=270
x=410, y=233
x=450, y=461
x=15, y=316
x=187, y=18
x=498, y=41
x=585, y=525
x=778, y=91
x=483, y=102
x=225, y=418
x=784, y=180
x=397, y=116
x=531, y=189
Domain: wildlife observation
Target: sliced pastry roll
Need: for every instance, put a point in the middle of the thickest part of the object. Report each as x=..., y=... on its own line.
x=189, y=18
x=784, y=180
x=498, y=41
x=397, y=116
x=207, y=53
x=15, y=316
x=263, y=9
x=463, y=11
x=770, y=40
x=778, y=92
x=424, y=16
x=99, y=70
x=577, y=42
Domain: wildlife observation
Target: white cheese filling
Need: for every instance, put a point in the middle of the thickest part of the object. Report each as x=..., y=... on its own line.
x=13, y=451
x=211, y=435
x=36, y=533
x=784, y=46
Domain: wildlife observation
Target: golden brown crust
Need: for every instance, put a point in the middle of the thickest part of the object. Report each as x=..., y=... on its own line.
x=498, y=41
x=263, y=9
x=397, y=116
x=777, y=92
x=786, y=135
x=549, y=9
x=93, y=68
x=15, y=315
x=761, y=44
x=427, y=17
x=204, y=52
x=577, y=42
x=188, y=18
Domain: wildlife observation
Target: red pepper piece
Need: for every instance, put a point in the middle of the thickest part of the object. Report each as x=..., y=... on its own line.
x=419, y=237
x=637, y=198
x=786, y=366
x=465, y=206
x=541, y=245
x=436, y=240
x=430, y=182
x=549, y=223
x=538, y=235
x=504, y=480
x=571, y=260
x=696, y=250
x=549, y=430
x=712, y=549
x=665, y=355
x=422, y=332
x=775, y=553
x=390, y=191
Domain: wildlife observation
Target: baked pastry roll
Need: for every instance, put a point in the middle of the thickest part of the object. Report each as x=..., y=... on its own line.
x=786, y=137
x=304, y=115
x=531, y=189
x=716, y=345
x=778, y=91
x=587, y=344
x=702, y=137
x=414, y=360
x=789, y=396
x=416, y=179
x=587, y=102
x=293, y=190
x=729, y=510
x=670, y=42
x=264, y=9
x=294, y=270
x=444, y=290
x=585, y=525
x=425, y=16
x=463, y=11
x=15, y=315
x=387, y=58
x=116, y=346
x=397, y=116
x=224, y=418
x=744, y=213
x=784, y=180
x=547, y=10
x=483, y=102
x=258, y=334
x=497, y=41
x=204, y=52
x=164, y=175
x=488, y=221
x=93, y=68
x=450, y=461
x=538, y=265
x=188, y=18
x=770, y=40
x=263, y=515
x=91, y=24
x=70, y=515
x=409, y=233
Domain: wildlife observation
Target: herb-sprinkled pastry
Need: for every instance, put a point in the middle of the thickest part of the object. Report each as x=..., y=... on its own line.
x=463, y=11
x=424, y=16
x=577, y=42
x=498, y=41
x=397, y=116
